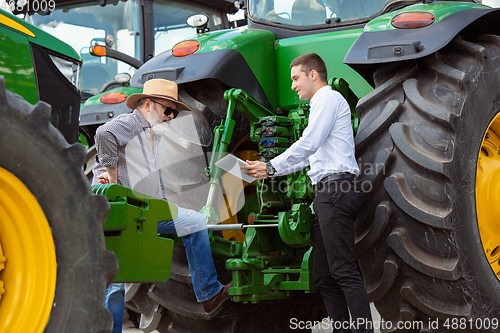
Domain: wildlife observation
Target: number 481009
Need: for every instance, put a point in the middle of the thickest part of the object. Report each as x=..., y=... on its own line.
x=32, y=5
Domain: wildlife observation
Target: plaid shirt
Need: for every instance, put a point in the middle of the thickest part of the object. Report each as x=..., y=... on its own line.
x=128, y=143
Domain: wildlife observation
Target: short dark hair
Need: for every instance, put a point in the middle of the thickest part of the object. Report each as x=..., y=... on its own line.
x=310, y=61
x=141, y=103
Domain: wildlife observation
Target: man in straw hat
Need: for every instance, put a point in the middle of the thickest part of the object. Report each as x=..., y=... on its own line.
x=127, y=155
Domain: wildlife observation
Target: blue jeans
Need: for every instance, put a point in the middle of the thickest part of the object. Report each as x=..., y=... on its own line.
x=198, y=252
x=200, y=262
x=115, y=302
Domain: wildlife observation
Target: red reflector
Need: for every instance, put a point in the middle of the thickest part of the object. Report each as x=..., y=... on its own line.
x=113, y=98
x=98, y=50
x=185, y=48
x=251, y=219
x=413, y=20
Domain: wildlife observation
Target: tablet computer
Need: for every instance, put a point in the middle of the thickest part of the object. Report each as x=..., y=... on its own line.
x=231, y=164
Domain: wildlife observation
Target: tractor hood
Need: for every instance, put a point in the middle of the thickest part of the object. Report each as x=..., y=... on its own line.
x=37, y=36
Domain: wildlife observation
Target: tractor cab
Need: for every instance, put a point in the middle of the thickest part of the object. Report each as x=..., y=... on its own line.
x=132, y=29
x=317, y=14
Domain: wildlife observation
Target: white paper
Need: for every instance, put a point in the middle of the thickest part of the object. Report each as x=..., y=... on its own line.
x=231, y=164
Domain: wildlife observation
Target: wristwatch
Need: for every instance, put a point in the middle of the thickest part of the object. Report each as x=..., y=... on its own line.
x=269, y=169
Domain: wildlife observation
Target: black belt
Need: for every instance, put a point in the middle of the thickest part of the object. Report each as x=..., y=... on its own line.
x=334, y=177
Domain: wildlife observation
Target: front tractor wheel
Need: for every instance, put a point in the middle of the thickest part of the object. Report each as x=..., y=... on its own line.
x=172, y=306
x=29, y=281
x=488, y=194
x=428, y=238
x=53, y=264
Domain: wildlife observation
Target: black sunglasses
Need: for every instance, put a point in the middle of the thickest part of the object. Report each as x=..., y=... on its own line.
x=168, y=109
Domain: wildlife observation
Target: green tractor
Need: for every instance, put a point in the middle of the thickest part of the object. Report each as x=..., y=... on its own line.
x=114, y=38
x=54, y=267
x=422, y=80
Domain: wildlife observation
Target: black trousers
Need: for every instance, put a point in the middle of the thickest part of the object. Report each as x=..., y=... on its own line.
x=336, y=273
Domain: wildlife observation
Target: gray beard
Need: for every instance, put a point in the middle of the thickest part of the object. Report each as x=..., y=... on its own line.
x=161, y=128
x=158, y=125
x=165, y=130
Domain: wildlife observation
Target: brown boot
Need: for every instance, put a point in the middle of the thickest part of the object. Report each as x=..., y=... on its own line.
x=214, y=305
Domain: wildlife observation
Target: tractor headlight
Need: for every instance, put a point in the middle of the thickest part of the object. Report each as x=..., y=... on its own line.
x=197, y=20
x=69, y=69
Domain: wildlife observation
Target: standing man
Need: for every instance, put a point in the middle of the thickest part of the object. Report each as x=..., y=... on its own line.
x=127, y=154
x=327, y=145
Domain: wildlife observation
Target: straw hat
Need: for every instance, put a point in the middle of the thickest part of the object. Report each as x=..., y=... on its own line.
x=157, y=88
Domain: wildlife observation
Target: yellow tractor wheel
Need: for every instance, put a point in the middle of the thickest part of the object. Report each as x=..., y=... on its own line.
x=488, y=194
x=29, y=259
x=54, y=267
x=428, y=236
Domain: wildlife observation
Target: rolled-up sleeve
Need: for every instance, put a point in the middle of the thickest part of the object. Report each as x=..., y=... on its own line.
x=113, y=135
x=107, y=147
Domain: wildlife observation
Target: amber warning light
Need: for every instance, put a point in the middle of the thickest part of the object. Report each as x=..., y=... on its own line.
x=185, y=48
x=113, y=98
x=413, y=20
x=98, y=50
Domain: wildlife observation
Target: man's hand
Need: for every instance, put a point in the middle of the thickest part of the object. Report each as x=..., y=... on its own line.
x=256, y=169
x=103, y=178
x=109, y=177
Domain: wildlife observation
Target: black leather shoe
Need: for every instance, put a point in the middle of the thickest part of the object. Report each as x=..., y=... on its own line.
x=213, y=306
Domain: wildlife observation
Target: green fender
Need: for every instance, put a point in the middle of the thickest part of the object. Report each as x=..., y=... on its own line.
x=381, y=42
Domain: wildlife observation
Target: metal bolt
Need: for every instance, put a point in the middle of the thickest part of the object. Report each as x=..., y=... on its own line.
x=487, y=136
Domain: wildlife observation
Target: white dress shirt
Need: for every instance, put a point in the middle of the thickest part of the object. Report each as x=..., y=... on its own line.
x=327, y=143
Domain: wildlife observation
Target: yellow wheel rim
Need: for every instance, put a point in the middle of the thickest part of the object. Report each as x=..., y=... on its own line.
x=28, y=262
x=488, y=194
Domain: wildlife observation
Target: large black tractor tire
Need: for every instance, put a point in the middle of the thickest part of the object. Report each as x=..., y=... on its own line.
x=172, y=306
x=35, y=158
x=418, y=240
